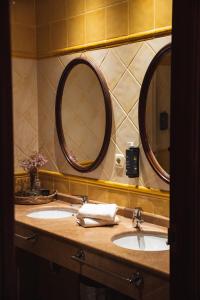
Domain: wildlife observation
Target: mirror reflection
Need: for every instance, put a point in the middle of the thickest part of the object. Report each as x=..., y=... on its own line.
x=158, y=112
x=154, y=113
x=83, y=115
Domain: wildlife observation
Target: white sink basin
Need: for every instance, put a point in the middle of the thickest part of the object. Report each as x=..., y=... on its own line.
x=51, y=213
x=142, y=241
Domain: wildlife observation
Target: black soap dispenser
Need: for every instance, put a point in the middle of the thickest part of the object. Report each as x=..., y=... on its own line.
x=132, y=160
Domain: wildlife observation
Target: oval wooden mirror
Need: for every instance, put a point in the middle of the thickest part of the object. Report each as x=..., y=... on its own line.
x=154, y=112
x=83, y=115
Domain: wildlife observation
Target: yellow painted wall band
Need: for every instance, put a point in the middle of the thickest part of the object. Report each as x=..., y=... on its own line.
x=136, y=37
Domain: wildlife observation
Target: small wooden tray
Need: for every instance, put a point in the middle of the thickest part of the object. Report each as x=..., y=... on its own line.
x=34, y=199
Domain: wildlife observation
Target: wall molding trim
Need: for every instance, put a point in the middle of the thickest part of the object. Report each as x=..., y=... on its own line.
x=137, y=37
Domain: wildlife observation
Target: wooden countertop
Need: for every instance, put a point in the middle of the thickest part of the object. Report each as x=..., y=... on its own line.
x=98, y=239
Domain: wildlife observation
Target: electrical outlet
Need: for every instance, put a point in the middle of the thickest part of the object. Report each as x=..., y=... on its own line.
x=119, y=160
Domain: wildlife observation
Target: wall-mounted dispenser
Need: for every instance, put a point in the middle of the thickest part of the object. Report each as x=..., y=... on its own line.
x=132, y=160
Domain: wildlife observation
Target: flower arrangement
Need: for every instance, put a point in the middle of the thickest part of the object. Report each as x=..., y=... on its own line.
x=35, y=161
x=31, y=165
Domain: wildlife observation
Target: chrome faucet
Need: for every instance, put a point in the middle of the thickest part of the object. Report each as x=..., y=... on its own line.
x=137, y=218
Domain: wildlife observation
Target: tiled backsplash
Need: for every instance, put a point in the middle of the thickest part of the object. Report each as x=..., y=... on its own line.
x=124, y=68
x=151, y=201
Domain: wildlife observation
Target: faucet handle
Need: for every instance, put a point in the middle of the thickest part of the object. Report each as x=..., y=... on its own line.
x=137, y=217
x=84, y=198
x=137, y=213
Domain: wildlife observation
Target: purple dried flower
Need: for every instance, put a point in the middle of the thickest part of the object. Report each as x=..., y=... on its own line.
x=36, y=160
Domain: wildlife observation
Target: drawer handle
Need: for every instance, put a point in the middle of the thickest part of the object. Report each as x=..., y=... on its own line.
x=31, y=238
x=135, y=279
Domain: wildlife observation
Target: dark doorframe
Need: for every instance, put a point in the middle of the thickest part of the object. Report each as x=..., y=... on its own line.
x=185, y=154
x=7, y=260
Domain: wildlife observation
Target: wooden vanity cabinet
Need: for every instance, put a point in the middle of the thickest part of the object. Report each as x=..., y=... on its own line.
x=115, y=274
x=39, y=279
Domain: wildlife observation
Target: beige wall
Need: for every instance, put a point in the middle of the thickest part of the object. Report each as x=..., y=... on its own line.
x=68, y=23
x=23, y=28
x=37, y=80
x=42, y=27
x=25, y=108
x=123, y=68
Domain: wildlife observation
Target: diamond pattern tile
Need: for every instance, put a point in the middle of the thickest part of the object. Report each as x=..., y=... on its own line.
x=133, y=115
x=127, y=132
x=51, y=68
x=65, y=59
x=25, y=108
x=127, y=91
x=112, y=69
x=157, y=44
x=97, y=56
x=127, y=52
x=118, y=113
x=141, y=62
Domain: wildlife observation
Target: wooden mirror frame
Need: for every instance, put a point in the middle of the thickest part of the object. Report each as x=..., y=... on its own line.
x=108, y=112
x=142, y=114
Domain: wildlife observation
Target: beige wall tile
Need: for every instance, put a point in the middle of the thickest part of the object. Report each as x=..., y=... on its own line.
x=58, y=35
x=94, y=4
x=42, y=12
x=117, y=20
x=75, y=7
x=141, y=62
x=97, y=193
x=110, y=2
x=95, y=26
x=147, y=204
x=24, y=12
x=47, y=182
x=76, y=31
x=141, y=15
x=57, y=10
x=78, y=188
x=123, y=17
x=43, y=39
x=163, y=13
x=24, y=39
x=127, y=91
x=25, y=112
x=118, y=197
x=112, y=69
x=161, y=207
x=61, y=185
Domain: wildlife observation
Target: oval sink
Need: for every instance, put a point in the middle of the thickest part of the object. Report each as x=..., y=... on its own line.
x=143, y=241
x=51, y=213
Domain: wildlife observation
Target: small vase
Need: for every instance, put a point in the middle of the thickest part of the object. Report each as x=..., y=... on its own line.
x=34, y=179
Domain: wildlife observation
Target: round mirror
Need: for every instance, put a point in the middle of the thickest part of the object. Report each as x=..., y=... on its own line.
x=154, y=112
x=83, y=115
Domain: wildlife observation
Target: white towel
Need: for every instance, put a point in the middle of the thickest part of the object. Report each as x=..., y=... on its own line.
x=88, y=222
x=98, y=211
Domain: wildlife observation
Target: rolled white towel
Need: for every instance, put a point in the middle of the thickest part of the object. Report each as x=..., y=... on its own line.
x=98, y=211
x=88, y=222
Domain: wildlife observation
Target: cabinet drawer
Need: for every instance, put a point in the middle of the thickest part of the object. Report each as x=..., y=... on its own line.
x=46, y=246
x=129, y=280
